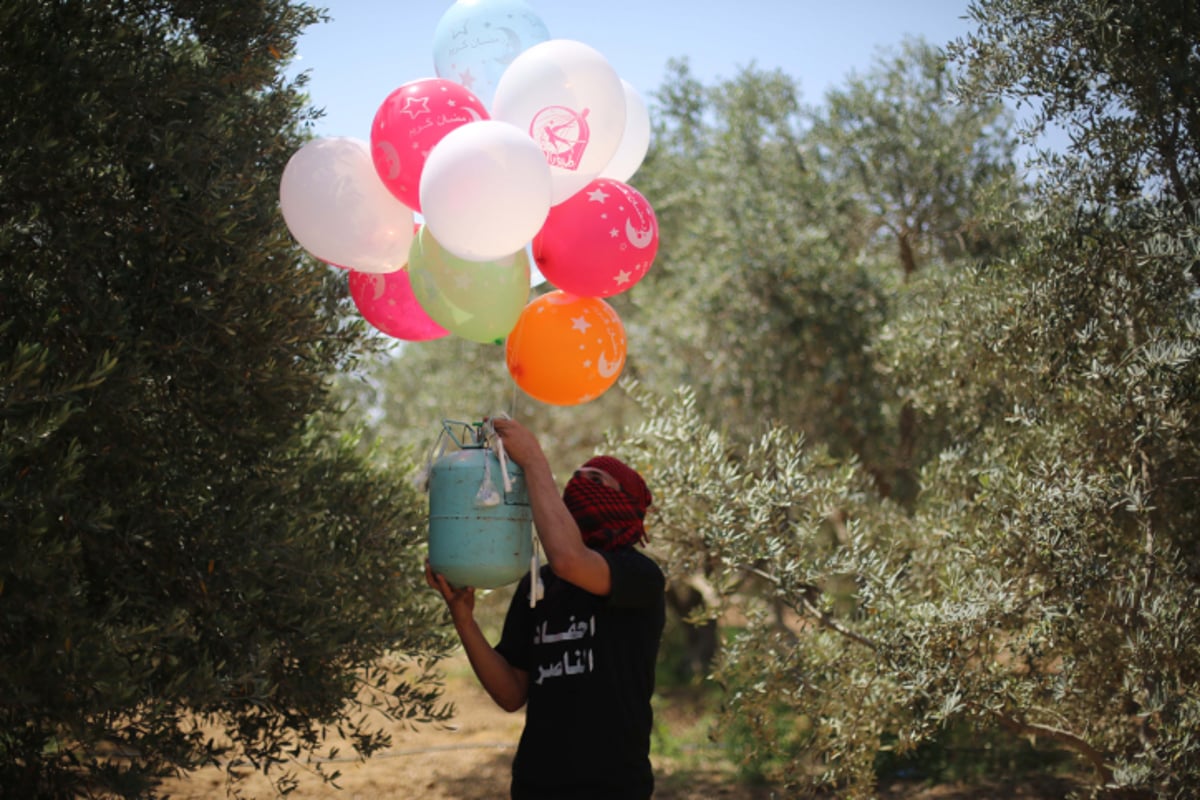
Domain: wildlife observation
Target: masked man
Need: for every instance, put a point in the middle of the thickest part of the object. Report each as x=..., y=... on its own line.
x=582, y=659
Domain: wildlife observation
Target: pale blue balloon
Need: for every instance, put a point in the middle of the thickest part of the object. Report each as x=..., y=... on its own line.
x=476, y=40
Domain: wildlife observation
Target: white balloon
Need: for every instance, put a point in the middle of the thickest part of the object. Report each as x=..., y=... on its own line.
x=570, y=100
x=339, y=211
x=485, y=190
x=635, y=141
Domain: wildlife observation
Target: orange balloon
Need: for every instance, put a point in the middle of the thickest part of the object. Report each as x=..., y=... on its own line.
x=566, y=350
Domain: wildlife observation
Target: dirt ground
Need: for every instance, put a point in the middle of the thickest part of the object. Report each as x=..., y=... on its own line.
x=470, y=760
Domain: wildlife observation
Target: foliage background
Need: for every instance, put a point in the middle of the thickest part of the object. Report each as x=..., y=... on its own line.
x=920, y=420
x=920, y=423
x=190, y=534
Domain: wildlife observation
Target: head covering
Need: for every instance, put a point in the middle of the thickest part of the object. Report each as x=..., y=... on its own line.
x=609, y=519
x=629, y=478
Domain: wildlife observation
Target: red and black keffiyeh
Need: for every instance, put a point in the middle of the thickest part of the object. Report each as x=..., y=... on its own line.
x=608, y=518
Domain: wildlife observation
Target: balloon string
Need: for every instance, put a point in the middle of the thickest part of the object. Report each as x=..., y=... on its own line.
x=503, y=458
x=492, y=439
x=536, y=588
x=422, y=479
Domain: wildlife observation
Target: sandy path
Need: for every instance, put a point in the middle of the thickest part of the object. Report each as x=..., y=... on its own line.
x=468, y=761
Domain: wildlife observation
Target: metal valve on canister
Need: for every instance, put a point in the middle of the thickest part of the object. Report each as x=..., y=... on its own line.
x=480, y=524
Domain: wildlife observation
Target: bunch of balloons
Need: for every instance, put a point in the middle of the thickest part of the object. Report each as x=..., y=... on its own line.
x=516, y=154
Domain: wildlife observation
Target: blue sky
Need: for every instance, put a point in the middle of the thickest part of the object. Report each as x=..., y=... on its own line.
x=372, y=47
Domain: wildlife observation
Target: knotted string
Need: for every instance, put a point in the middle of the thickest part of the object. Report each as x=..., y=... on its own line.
x=536, y=589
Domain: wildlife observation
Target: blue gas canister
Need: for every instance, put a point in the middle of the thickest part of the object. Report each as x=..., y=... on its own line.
x=480, y=525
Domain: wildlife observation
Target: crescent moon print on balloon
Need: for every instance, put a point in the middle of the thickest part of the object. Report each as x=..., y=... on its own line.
x=387, y=302
x=566, y=349
x=605, y=368
x=639, y=238
x=390, y=161
x=513, y=45
x=598, y=242
x=644, y=233
x=608, y=369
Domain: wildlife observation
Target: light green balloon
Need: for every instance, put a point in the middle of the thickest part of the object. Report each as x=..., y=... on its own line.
x=476, y=300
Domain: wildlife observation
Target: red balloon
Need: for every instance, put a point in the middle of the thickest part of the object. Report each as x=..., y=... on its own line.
x=598, y=242
x=386, y=301
x=409, y=123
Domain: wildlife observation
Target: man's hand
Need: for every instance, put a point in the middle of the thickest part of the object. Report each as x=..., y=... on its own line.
x=508, y=686
x=519, y=443
x=461, y=602
x=566, y=553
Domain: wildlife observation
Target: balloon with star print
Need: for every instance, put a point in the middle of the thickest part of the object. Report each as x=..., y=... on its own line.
x=476, y=40
x=566, y=350
x=387, y=302
x=407, y=125
x=599, y=242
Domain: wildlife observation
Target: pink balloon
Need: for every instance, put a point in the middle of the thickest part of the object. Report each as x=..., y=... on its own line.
x=386, y=301
x=598, y=242
x=409, y=123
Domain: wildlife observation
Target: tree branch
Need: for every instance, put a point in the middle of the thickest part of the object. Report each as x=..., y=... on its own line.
x=1068, y=739
x=823, y=618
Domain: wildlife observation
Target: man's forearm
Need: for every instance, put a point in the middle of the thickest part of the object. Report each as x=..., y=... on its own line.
x=500, y=679
x=556, y=527
x=566, y=553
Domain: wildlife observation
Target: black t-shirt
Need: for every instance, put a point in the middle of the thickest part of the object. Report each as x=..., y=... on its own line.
x=590, y=661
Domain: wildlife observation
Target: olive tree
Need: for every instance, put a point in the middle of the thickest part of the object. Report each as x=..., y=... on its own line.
x=1043, y=583
x=192, y=543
